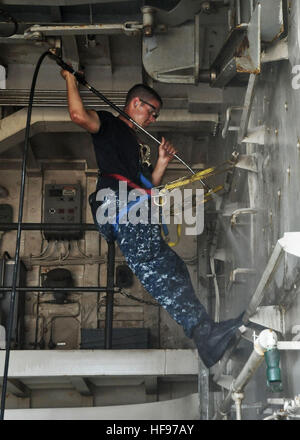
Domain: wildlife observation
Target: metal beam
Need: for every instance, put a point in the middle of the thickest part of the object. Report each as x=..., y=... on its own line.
x=94, y=363
x=38, y=32
x=53, y=289
x=17, y=387
x=247, y=107
x=184, y=408
x=81, y=385
x=49, y=226
x=55, y=120
x=277, y=51
x=59, y=2
x=58, y=98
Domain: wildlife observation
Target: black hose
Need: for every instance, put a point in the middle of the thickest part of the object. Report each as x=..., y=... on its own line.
x=18, y=241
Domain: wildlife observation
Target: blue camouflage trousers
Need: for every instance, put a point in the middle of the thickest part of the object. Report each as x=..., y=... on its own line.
x=160, y=270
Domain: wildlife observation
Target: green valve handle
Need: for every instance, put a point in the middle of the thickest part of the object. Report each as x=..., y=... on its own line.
x=272, y=358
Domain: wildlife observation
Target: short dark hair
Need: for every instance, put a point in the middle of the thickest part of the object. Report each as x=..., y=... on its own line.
x=144, y=92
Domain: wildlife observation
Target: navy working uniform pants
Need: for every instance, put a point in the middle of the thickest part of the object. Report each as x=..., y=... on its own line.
x=160, y=270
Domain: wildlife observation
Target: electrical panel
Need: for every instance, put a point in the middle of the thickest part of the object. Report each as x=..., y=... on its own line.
x=62, y=205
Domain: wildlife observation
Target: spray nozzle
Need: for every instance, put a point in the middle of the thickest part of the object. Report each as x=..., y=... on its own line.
x=65, y=66
x=60, y=61
x=272, y=358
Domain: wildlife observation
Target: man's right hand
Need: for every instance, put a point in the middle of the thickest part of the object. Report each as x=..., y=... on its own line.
x=87, y=119
x=65, y=74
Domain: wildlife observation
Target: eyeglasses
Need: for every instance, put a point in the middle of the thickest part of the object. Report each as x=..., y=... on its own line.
x=153, y=112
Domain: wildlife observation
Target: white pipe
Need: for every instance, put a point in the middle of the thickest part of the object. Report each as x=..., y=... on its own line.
x=267, y=339
x=240, y=382
x=288, y=345
x=238, y=397
x=241, y=211
x=217, y=292
x=239, y=270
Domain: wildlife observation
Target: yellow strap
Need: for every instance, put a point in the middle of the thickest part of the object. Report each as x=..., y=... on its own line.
x=173, y=243
x=208, y=172
x=185, y=181
x=208, y=196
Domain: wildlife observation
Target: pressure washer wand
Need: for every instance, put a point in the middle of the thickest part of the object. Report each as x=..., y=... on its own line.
x=80, y=78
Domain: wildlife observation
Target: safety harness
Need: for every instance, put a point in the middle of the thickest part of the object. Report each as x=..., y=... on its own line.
x=148, y=189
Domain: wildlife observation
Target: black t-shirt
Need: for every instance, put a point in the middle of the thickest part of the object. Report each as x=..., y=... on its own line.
x=117, y=151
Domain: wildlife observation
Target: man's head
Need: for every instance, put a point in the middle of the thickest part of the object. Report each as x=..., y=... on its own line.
x=143, y=104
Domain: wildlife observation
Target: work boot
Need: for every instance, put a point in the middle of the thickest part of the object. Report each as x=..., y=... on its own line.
x=212, y=338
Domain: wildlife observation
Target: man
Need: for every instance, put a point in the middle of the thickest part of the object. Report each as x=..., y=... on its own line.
x=160, y=270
